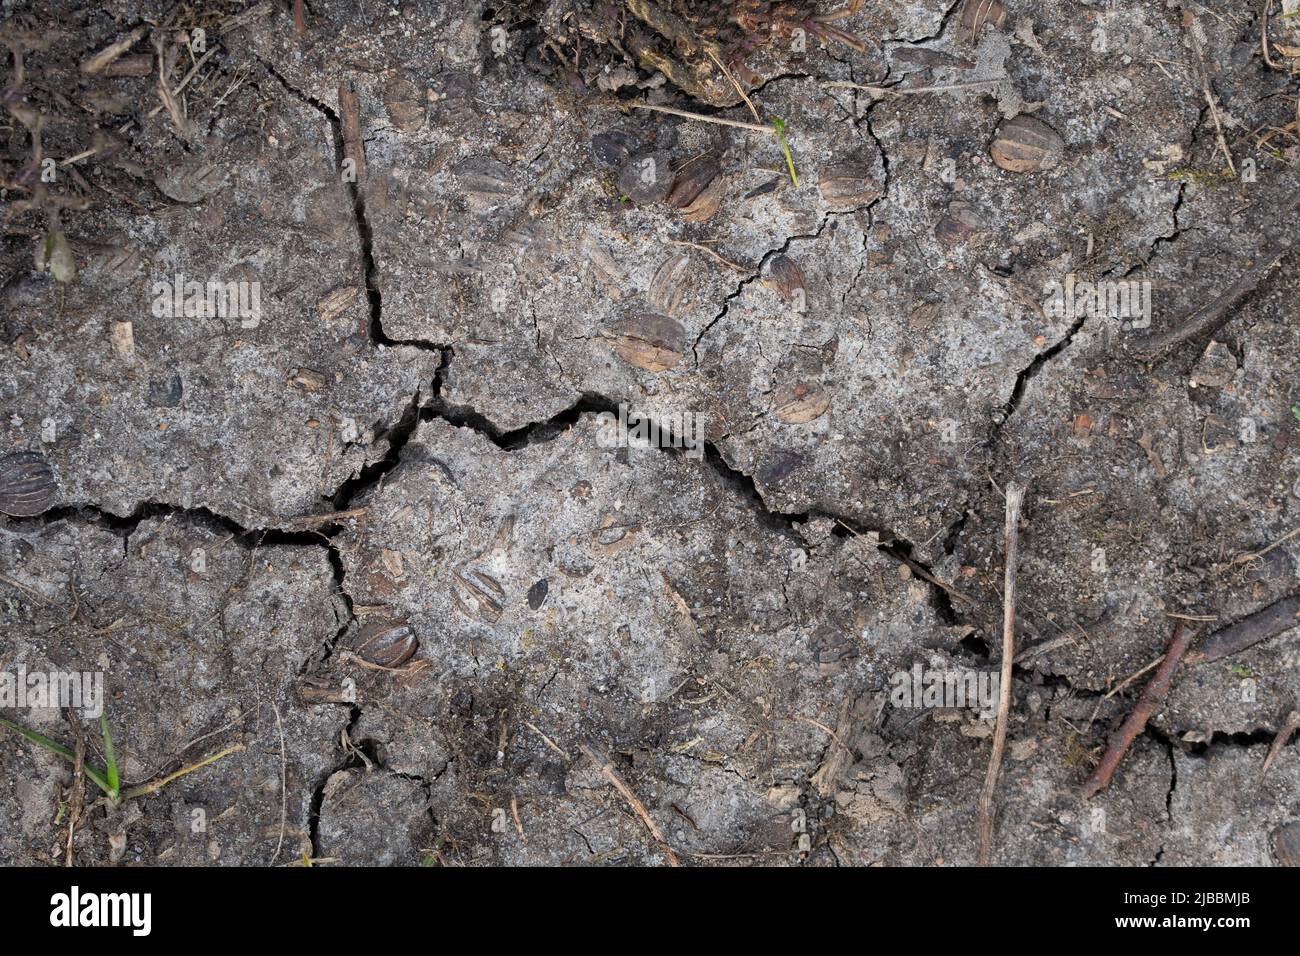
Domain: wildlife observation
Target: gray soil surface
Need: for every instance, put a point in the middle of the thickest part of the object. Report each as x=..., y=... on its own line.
x=373, y=549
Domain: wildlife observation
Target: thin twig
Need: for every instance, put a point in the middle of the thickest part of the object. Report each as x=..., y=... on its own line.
x=1218, y=130
x=519, y=824
x=284, y=786
x=610, y=774
x=248, y=16
x=1015, y=496
x=907, y=90
x=328, y=517
x=165, y=94
x=1132, y=677
x=826, y=730
x=740, y=124
x=1152, y=696
x=1266, y=623
x=1289, y=727
x=350, y=121
x=705, y=249
x=185, y=80
x=1263, y=36
x=727, y=73
x=1244, y=558
x=1213, y=314
x=76, y=802
x=146, y=789
x=549, y=742
x=101, y=60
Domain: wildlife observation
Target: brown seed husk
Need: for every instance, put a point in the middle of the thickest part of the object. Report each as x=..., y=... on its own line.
x=387, y=643
x=404, y=102
x=1026, y=145
x=27, y=484
x=692, y=179
x=668, y=287
x=707, y=203
x=649, y=341
x=849, y=184
x=976, y=13
x=1286, y=844
x=786, y=277
x=801, y=402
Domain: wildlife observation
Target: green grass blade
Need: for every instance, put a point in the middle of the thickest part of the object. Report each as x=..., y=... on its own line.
x=779, y=125
x=54, y=747
x=110, y=760
x=100, y=781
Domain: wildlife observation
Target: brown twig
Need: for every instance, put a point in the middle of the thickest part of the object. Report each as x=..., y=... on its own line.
x=1254, y=555
x=1250, y=630
x=1289, y=726
x=165, y=63
x=328, y=517
x=1152, y=696
x=106, y=56
x=299, y=19
x=185, y=80
x=705, y=249
x=1263, y=36
x=248, y=16
x=756, y=127
x=1015, y=497
x=879, y=91
x=77, y=799
x=1210, y=316
x=1218, y=130
x=350, y=120
x=549, y=742
x=1132, y=677
x=610, y=774
x=727, y=73
x=284, y=786
x=519, y=823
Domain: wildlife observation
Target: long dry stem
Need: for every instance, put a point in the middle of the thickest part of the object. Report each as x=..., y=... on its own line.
x=1015, y=497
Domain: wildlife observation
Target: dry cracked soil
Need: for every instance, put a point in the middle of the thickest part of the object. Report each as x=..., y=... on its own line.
x=318, y=323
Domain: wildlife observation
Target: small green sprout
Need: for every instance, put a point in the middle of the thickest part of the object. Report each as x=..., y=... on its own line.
x=779, y=125
x=1295, y=410
x=110, y=761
